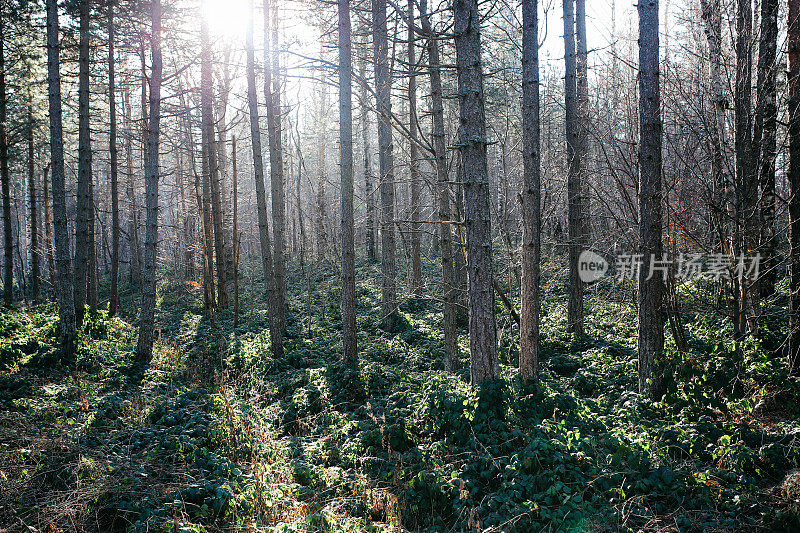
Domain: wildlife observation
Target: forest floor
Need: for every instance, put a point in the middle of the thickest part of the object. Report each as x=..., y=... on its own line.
x=214, y=434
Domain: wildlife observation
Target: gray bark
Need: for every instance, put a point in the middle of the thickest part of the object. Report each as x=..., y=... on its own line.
x=84, y=169
x=472, y=145
x=114, y=167
x=276, y=334
x=651, y=291
x=348, y=304
x=144, y=346
x=531, y=194
x=386, y=162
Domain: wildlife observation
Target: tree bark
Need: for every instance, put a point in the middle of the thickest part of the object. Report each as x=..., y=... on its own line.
x=114, y=167
x=272, y=96
x=472, y=145
x=5, y=180
x=369, y=193
x=793, y=178
x=210, y=158
x=413, y=126
x=746, y=173
x=765, y=137
x=276, y=334
x=389, y=317
x=451, y=359
x=574, y=185
x=651, y=291
x=84, y=169
x=531, y=194
x=144, y=346
x=348, y=304
x=64, y=287
x=34, y=214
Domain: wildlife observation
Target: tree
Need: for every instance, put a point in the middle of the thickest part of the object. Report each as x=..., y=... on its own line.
x=793, y=178
x=451, y=361
x=114, y=168
x=64, y=287
x=472, y=145
x=84, y=168
x=531, y=194
x=5, y=177
x=651, y=284
x=413, y=154
x=746, y=172
x=35, y=274
x=144, y=346
x=369, y=196
x=764, y=136
x=211, y=172
x=272, y=96
x=348, y=304
x=575, y=152
x=386, y=162
x=276, y=334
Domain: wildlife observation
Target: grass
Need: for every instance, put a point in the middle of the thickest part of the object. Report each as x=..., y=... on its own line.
x=215, y=434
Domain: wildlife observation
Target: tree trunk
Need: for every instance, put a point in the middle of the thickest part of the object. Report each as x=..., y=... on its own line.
x=413, y=126
x=210, y=158
x=451, y=359
x=531, y=194
x=369, y=196
x=48, y=234
x=276, y=334
x=272, y=97
x=793, y=179
x=574, y=186
x=135, y=273
x=764, y=135
x=386, y=160
x=64, y=287
x=746, y=187
x=34, y=219
x=472, y=145
x=112, y=150
x=235, y=236
x=651, y=291
x=144, y=346
x=5, y=178
x=712, y=18
x=349, y=342
x=84, y=169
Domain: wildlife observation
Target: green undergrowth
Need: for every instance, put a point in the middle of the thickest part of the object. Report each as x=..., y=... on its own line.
x=216, y=434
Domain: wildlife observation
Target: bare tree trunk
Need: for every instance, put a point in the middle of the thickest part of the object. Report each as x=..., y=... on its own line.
x=91, y=277
x=112, y=150
x=144, y=346
x=764, y=134
x=746, y=172
x=34, y=224
x=235, y=237
x=451, y=361
x=84, y=169
x=276, y=334
x=135, y=274
x=210, y=158
x=348, y=305
x=383, y=91
x=48, y=234
x=369, y=193
x=472, y=145
x=531, y=194
x=413, y=126
x=712, y=18
x=574, y=186
x=64, y=288
x=5, y=178
x=651, y=289
x=793, y=177
x=272, y=96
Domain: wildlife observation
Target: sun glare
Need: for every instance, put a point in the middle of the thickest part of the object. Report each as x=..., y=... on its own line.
x=227, y=18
